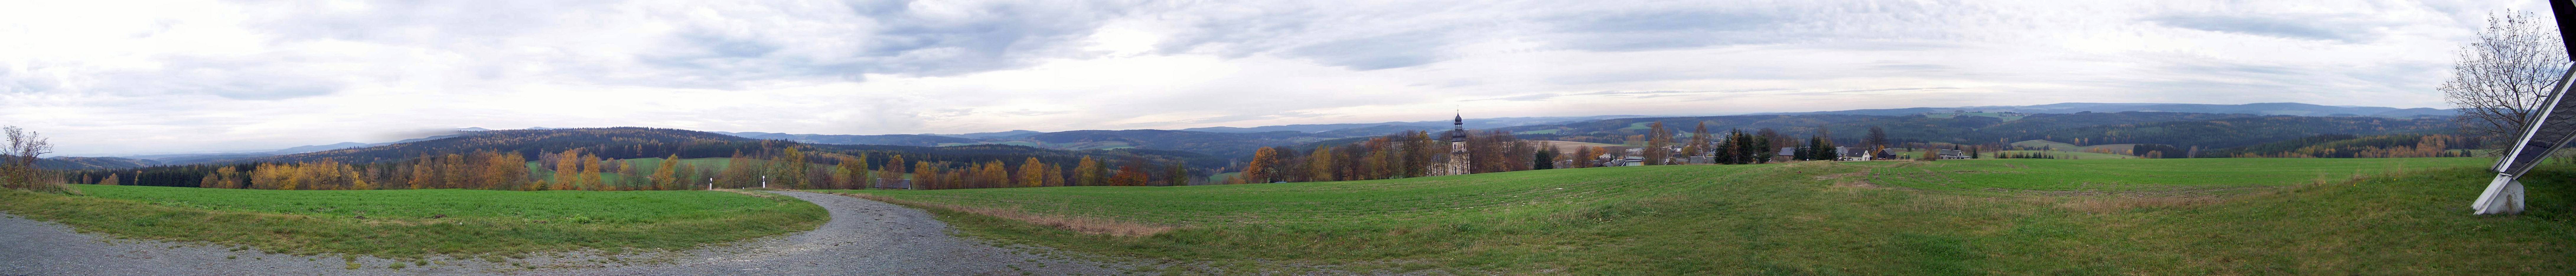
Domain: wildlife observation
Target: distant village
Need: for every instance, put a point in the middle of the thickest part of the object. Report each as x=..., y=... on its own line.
x=1636, y=156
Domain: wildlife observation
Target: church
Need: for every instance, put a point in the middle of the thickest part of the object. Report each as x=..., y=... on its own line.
x=1457, y=162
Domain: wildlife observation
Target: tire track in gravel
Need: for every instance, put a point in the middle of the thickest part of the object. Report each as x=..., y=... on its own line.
x=863, y=238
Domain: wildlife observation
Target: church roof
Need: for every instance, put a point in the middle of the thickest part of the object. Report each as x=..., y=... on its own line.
x=1458, y=128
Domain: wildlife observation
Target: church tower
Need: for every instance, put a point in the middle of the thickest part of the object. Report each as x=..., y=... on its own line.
x=1457, y=163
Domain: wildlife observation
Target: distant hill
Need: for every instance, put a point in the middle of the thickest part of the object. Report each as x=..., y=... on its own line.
x=636, y=142
x=2292, y=109
x=91, y=163
x=314, y=148
x=618, y=142
x=992, y=135
x=1213, y=141
x=2205, y=130
x=888, y=139
x=1478, y=123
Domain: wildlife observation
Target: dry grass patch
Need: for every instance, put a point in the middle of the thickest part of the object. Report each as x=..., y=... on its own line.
x=1085, y=225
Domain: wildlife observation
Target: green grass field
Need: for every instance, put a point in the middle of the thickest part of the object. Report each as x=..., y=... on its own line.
x=415, y=223
x=1992, y=216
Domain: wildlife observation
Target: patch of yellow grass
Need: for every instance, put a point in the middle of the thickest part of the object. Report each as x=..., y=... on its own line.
x=1086, y=225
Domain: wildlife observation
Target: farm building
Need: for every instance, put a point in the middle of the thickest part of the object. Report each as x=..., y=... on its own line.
x=1953, y=154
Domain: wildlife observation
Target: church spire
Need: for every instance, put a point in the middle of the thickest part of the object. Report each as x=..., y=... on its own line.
x=1458, y=128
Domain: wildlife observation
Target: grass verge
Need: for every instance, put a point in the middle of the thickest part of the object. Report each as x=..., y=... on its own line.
x=416, y=223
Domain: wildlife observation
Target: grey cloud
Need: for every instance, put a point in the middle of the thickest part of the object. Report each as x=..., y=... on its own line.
x=231, y=78
x=1379, y=52
x=1248, y=117
x=1911, y=67
x=1033, y=112
x=1530, y=97
x=2300, y=27
x=900, y=41
x=1630, y=94
x=1890, y=89
x=428, y=22
x=1662, y=29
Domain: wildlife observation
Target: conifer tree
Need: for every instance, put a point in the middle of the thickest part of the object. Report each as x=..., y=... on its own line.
x=1178, y=174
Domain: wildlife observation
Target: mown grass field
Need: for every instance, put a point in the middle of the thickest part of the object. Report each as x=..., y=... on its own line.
x=416, y=223
x=1995, y=216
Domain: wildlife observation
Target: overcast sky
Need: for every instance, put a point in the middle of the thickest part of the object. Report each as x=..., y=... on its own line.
x=112, y=77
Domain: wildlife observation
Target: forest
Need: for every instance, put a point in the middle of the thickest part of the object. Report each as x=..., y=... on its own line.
x=2352, y=146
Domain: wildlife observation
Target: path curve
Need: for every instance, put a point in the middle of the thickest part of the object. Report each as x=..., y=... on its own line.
x=864, y=237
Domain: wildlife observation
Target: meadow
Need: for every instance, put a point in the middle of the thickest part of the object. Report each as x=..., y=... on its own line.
x=418, y=223
x=1993, y=216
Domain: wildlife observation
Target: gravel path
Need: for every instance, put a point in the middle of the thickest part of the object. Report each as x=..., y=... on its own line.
x=863, y=238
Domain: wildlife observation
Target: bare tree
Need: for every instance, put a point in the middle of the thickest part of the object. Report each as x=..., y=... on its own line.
x=21, y=152
x=2499, y=80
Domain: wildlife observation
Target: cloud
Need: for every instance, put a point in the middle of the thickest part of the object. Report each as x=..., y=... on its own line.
x=1890, y=89
x=194, y=76
x=2301, y=27
x=1664, y=29
x=1530, y=97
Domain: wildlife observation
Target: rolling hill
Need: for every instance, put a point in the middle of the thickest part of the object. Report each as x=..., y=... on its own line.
x=887, y=139
x=642, y=143
x=91, y=163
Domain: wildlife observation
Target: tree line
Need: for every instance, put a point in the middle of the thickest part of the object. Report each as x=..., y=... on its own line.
x=580, y=169
x=1402, y=155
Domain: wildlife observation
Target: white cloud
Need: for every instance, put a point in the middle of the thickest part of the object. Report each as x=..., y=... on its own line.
x=109, y=78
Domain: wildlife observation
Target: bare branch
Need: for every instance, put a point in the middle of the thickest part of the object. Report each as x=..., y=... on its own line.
x=2498, y=81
